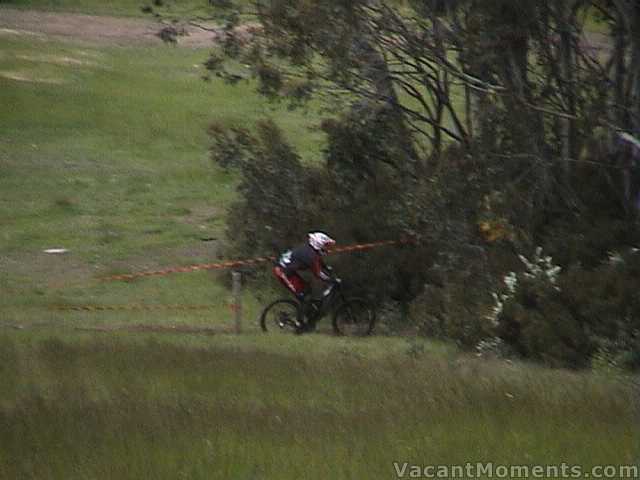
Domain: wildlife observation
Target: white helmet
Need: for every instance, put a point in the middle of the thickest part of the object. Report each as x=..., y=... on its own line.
x=320, y=242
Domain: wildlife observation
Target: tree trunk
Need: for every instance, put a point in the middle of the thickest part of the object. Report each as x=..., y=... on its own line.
x=528, y=124
x=634, y=70
x=620, y=68
x=567, y=19
x=377, y=72
x=439, y=107
x=468, y=111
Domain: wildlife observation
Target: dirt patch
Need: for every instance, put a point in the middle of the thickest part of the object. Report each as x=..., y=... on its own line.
x=98, y=29
x=200, y=215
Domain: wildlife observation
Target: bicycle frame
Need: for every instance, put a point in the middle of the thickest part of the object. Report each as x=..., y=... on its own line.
x=331, y=298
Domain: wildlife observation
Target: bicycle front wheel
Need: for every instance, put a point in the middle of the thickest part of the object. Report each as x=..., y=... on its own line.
x=354, y=318
x=281, y=316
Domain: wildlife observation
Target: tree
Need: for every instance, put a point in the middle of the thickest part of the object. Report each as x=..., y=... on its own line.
x=533, y=90
x=443, y=117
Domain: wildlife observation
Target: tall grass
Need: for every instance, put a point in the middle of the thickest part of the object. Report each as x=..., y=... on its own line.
x=116, y=407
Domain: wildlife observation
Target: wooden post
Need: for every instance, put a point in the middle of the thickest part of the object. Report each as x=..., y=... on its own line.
x=236, y=278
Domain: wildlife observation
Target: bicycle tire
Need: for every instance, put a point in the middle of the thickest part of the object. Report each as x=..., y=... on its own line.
x=276, y=324
x=354, y=317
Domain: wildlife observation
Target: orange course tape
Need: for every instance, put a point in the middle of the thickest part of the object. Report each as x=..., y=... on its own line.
x=244, y=263
x=191, y=268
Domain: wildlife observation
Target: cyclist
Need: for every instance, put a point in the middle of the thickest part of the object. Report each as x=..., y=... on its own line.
x=305, y=257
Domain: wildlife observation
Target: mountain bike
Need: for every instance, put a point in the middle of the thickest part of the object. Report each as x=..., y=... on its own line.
x=350, y=316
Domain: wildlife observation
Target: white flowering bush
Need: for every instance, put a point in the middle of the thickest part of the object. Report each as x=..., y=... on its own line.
x=529, y=317
x=539, y=269
x=570, y=318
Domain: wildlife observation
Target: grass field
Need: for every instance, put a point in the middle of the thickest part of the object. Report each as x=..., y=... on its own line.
x=103, y=151
x=244, y=407
x=128, y=8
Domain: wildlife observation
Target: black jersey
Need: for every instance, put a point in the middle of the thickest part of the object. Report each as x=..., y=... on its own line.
x=303, y=257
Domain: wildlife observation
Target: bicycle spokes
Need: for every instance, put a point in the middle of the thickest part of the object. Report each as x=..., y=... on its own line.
x=354, y=318
x=351, y=321
x=282, y=315
x=284, y=320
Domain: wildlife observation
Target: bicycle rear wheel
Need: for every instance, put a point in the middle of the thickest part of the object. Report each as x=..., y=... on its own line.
x=354, y=318
x=281, y=316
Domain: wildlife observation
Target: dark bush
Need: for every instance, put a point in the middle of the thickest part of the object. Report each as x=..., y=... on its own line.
x=606, y=301
x=356, y=196
x=536, y=323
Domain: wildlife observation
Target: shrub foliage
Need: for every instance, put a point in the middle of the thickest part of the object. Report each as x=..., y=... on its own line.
x=480, y=131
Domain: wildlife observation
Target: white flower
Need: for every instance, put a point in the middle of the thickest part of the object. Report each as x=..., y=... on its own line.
x=511, y=281
x=496, y=310
x=541, y=267
x=615, y=258
x=538, y=268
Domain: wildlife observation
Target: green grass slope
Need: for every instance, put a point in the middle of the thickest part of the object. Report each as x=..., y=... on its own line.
x=103, y=151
